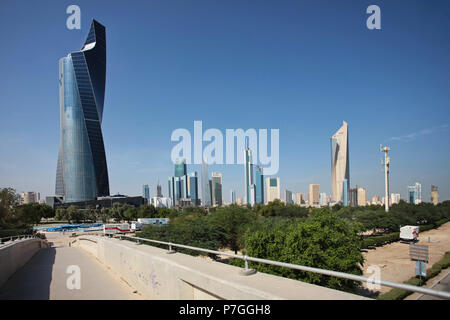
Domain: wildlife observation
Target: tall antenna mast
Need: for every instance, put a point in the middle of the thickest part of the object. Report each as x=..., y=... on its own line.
x=386, y=175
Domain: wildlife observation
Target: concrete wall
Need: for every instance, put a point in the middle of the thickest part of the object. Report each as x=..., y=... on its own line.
x=158, y=275
x=15, y=254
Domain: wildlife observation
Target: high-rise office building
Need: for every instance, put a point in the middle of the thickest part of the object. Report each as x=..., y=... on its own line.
x=248, y=172
x=362, y=197
x=206, y=189
x=434, y=195
x=340, y=163
x=415, y=193
x=193, y=190
x=146, y=193
x=233, y=196
x=259, y=185
x=345, y=192
x=159, y=191
x=216, y=189
x=323, y=199
x=272, y=189
x=353, y=197
x=82, y=172
x=313, y=195
x=395, y=198
x=288, y=197
x=180, y=167
x=300, y=198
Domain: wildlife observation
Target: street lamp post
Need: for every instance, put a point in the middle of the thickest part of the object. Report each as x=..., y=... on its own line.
x=386, y=175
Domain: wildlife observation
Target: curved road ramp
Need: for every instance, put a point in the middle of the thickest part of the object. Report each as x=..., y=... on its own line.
x=95, y=267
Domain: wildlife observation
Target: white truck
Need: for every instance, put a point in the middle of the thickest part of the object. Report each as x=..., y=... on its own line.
x=136, y=226
x=409, y=233
x=113, y=228
x=154, y=221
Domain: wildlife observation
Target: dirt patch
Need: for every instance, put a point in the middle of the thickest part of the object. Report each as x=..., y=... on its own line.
x=393, y=259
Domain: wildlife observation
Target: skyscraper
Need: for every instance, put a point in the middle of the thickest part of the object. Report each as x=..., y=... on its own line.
x=288, y=197
x=434, y=195
x=206, y=190
x=159, y=190
x=313, y=196
x=180, y=167
x=353, y=197
x=259, y=185
x=248, y=172
x=339, y=163
x=146, y=193
x=362, y=197
x=216, y=189
x=415, y=193
x=272, y=189
x=300, y=198
x=82, y=172
x=323, y=199
x=193, y=190
x=233, y=197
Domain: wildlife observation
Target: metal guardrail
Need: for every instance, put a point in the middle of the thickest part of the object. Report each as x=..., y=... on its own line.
x=247, y=271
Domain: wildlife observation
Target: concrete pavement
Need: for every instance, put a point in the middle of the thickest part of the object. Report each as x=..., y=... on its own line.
x=45, y=276
x=442, y=285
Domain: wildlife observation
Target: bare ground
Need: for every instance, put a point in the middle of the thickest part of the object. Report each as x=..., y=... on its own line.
x=393, y=259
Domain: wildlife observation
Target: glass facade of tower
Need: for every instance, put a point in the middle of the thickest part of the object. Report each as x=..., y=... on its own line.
x=345, y=192
x=82, y=172
x=259, y=184
x=146, y=192
x=193, y=181
x=180, y=168
x=206, y=188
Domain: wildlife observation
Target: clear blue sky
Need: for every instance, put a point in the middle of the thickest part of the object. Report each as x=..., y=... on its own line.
x=300, y=66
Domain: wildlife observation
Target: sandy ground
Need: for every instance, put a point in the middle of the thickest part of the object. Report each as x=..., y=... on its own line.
x=393, y=259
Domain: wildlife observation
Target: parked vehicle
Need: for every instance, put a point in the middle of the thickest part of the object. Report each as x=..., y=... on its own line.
x=114, y=228
x=409, y=233
x=153, y=220
x=136, y=226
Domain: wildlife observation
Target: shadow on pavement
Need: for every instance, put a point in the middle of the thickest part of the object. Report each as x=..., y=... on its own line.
x=32, y=281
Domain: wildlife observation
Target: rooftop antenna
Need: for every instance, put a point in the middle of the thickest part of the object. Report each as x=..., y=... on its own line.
x=386, y=163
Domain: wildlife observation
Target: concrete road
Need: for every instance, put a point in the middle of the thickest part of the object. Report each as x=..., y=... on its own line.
x=45, y=277
x=443, y=285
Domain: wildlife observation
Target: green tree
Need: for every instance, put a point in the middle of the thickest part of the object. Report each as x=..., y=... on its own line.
x=74, y=214
x=61, y=214
x=29, y=213
x=8, y=200
x=322, y=241
x=234, y=220
x=130, y=213
x=146, y=211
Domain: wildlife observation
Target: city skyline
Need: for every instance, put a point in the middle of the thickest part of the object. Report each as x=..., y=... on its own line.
x=289, y=77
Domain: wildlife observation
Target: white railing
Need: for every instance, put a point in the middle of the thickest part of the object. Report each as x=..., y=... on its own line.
x=247, y=271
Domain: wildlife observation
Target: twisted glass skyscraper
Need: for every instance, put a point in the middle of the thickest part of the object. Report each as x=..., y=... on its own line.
x=82, y=173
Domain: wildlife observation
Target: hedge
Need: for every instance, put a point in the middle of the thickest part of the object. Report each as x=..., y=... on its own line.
x=400, y=294
x=380, y=240
x=377, y=241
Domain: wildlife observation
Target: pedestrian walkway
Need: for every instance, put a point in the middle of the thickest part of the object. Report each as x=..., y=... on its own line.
x=45, y=277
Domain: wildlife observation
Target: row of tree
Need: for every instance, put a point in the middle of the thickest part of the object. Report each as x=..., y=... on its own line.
x=12, y=212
